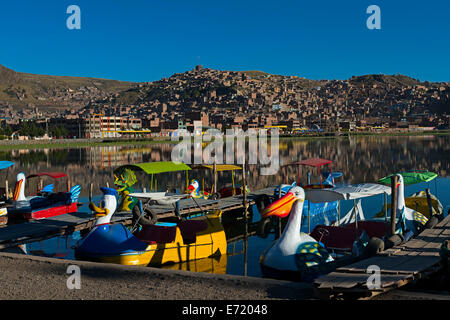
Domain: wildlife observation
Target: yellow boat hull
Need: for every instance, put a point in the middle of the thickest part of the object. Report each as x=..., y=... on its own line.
x=209, y=243
x=419, y=203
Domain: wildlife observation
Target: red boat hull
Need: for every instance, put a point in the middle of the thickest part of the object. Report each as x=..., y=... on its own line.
x=51, y=211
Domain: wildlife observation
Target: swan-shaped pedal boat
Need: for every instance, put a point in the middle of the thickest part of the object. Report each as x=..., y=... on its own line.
x=301, y=256
x=153, y=245
x=295, y=253
x=46, y=202
x=411, y=222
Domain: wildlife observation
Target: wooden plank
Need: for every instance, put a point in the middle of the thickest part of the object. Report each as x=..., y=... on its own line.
x=339, y=280
x=417, y=264
x=386, y=263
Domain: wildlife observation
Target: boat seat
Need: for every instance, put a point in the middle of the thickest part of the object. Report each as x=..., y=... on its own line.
x=335, y=237
x=342, y=237
x=190, y=228
x=59, y=197
x=372, y=228
x=39, y=202
x=157, y=233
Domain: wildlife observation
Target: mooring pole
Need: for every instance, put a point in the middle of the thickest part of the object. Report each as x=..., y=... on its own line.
x=215, y=175
x=245, y=204
x=430, y=205
x=393, y=203
x=91, y=187
x=355, y=210
x=385, y=214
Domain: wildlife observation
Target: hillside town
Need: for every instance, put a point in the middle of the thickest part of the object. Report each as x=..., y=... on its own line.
x=241, y=100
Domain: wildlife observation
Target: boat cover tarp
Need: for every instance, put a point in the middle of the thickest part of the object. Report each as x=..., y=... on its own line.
x=350, y=216
x=348, y=192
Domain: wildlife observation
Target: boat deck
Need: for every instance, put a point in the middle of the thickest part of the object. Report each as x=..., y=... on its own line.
x=399, y=266
x=189, y=206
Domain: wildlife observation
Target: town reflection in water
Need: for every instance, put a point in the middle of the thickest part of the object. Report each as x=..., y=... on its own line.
x=361, y=159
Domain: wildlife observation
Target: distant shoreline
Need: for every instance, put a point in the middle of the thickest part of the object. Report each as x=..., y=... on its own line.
x=81, y=143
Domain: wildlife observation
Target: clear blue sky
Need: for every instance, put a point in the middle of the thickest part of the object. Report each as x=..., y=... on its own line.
x=145, y=40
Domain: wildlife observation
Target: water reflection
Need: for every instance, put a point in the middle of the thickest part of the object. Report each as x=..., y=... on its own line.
x=361, y=159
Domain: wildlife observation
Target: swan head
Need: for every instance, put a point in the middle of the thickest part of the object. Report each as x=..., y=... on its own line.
x=19, y=190
x=400, y=181
x=283, y=206
x=193, y=186
x=108, y=205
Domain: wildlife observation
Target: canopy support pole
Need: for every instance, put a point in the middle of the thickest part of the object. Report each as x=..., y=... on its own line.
x=245, y=203
x=309, y=219
x=232, y=180
x=285, y=175
x=215, y=176
x=331, y=172
x=320, y=177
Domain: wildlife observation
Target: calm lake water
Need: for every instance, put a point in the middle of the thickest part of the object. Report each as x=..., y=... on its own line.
x=360, y=159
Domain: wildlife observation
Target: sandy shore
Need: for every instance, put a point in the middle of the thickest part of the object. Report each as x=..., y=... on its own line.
x=30, y=277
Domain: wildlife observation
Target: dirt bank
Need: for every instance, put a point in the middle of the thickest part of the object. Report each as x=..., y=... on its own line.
x=28, y=277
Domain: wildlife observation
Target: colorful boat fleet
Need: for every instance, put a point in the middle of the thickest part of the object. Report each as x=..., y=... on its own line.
x=315, y=240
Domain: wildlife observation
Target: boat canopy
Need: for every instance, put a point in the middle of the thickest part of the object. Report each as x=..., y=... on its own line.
x=313, y=162
x=219, y=167
x=155, y=167
x=349, y=192
x=53, y=175
x=5, y=164
x=411, y=177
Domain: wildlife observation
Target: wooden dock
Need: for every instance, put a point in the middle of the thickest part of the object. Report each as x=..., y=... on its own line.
x=406, y=263
x=37, y=230
x=189, y=206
